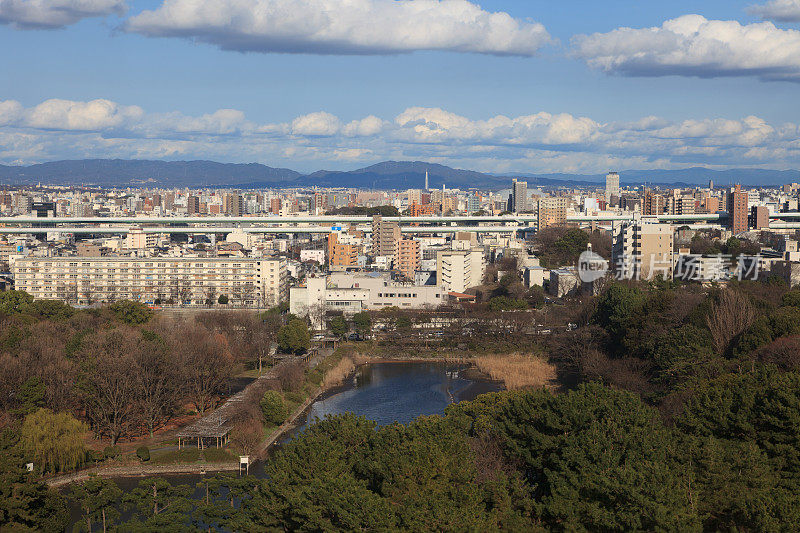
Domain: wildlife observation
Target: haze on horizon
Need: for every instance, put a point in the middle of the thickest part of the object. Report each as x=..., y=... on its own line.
x=512, y=86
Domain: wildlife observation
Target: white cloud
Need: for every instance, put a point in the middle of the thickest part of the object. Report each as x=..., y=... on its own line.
x=778, y=10
x=10, y=112
x=342, y=26
x=538, y=142
x=313, y=124
x=365, y=127
x=691, y=45
x=53, y=14
x=85, y=116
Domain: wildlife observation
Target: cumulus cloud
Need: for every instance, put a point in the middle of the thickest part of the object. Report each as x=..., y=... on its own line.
x=313, y=124
x=54, y=14
x=538, y=142
x=692, y=45
x=85, y=116
x=778, y=10
x=342, y=26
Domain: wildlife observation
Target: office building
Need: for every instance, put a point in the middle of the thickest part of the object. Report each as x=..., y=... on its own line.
x=351, y=293
x=612, y=186
x=519, y=196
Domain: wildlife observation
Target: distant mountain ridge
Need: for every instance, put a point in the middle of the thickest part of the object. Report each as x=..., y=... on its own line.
x=386, y=175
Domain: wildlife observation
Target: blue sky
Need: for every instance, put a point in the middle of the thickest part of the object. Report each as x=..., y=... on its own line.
x=569, y=104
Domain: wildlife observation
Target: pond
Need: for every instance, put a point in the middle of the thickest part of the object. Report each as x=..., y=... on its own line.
x=384, y=392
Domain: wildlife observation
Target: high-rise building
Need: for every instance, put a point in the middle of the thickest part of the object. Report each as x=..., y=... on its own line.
x=473, y=203
x=737, y=209
x=760, y=217
x=275, y=206
x=552, y=211
x=519, y=196
x=385, y=235
x=342, y=253
x=320, y=201
x=653, y=203
x=612, y=186
x=642, y=249
x=408, y=257
x=233, y=204
x=192, y=205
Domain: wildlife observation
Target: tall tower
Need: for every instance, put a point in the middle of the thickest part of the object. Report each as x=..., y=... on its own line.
x=426, y=180
x=612, y=186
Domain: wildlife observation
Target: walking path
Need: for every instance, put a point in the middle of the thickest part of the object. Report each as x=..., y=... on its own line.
x=214, y=419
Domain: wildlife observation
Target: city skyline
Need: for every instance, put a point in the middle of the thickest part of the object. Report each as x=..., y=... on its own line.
x=500, y=87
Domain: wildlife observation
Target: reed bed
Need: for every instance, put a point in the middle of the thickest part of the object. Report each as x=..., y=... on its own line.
x=338, y=374
x=518, y=371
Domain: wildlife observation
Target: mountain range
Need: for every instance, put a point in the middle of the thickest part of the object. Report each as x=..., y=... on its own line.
x=385, y=175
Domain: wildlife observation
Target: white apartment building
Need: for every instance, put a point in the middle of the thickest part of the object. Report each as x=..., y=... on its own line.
x=642, y=249
x=458, y=270
x=185, y=281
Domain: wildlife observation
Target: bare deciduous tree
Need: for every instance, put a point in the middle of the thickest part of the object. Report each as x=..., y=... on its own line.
x=729, y=317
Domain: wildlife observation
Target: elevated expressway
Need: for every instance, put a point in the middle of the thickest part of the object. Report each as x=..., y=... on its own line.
x=306, y=224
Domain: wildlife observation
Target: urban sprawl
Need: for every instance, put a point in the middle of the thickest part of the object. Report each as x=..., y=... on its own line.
x=346, y=250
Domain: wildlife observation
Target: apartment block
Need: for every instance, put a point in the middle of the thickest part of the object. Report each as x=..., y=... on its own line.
x=385, y=236
x=458, y=270
x=642, y=249
x=737, y=202
x=552, y=211
x=247, y=282
x=408, y=257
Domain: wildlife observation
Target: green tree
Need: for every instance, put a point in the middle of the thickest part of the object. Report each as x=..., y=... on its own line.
x=51, y=309
x=338, y=326
x=97, y=498
x=157, y=505
x=131, y=313
x=30, y=396
x=363, y=323
x=294, y=337
x=13, y=302
x=223, y=299
x=590, y=453
x=403, y=323
x=273, y=408
x=25, y=504
x=618, y=310
x=53, y=441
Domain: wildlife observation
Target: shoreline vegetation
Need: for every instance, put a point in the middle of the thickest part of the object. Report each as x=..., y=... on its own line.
x=513, y=371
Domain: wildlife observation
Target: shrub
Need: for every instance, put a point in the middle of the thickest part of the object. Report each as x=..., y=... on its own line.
x=143, y=453
x=223, y=299
x=273, y=408
x=110, y=452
